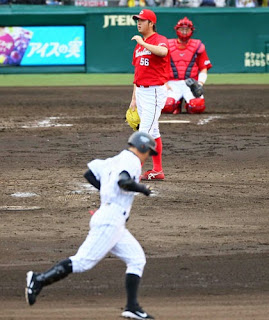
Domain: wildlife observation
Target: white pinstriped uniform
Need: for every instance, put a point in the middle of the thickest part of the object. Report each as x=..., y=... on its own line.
x=108, y=232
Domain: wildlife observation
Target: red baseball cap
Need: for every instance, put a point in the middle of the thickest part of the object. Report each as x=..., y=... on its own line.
x=146, y=14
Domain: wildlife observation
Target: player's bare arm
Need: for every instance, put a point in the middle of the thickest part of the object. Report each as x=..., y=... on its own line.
x=168, y=86
x=133, y=101
x=160, y=51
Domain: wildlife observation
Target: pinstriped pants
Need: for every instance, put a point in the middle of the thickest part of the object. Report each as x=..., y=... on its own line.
x=108, y=234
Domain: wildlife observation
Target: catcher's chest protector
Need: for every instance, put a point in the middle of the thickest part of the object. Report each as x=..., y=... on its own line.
x=183, y=61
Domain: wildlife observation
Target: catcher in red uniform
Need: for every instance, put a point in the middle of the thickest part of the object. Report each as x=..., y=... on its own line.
x=188, y=71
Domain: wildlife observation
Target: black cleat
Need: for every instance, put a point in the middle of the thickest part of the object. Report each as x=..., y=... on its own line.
x=33, y=287
x=135, y=312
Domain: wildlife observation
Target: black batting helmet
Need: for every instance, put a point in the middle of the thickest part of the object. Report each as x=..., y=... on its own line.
x=143, y=142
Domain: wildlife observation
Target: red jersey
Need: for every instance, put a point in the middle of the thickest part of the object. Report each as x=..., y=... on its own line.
x=187, y=62
x=151, y=70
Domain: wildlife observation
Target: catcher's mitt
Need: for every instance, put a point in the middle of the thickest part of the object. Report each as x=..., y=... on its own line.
x=133, y=119
x=196, y=89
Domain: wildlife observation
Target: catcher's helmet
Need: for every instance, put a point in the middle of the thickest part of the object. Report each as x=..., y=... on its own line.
x=143, y=142
x=187, y=24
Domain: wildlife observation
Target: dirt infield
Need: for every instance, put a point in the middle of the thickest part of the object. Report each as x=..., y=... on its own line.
x=205, y=232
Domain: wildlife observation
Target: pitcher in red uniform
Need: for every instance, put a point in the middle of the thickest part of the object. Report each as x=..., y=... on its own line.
x=151, y=62
x=188, y=59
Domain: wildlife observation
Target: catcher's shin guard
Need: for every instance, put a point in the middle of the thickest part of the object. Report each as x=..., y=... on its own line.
x=170, y=105
x=178, y=107
x=196, y=105
x=56, y=273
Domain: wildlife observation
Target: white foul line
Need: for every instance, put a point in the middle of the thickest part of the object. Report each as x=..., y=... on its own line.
x=18, y=208
x=174, y=121
x=24, y=194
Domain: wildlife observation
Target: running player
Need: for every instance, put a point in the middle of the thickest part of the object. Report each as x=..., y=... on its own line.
x=151, y=62
x=188, y=59
x=117, y=179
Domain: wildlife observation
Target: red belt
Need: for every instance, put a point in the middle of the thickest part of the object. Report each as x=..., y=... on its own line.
x=154, y=85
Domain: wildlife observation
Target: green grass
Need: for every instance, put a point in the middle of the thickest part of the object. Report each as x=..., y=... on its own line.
x=238, y=78
x=81, y=79
x=75, y=79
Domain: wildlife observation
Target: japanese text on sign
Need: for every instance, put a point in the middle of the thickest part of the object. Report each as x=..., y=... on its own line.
x=56, y=49
x=253, y=59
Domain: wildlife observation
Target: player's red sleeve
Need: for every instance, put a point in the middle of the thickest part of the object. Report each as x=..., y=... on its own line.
x=203, y=61
x=163, y=41
x=162, y=44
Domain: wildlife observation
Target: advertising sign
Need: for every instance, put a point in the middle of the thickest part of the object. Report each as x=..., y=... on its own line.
x=42, y=46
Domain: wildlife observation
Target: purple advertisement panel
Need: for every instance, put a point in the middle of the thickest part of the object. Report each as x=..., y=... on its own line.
x=13, y=44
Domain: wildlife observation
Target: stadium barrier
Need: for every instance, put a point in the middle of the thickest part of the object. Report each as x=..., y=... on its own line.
x=44, y=39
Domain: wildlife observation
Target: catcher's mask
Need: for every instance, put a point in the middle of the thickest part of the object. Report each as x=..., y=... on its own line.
x=143, y=142
x=184, y=23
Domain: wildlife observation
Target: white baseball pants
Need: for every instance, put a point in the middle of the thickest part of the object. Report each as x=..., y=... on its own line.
x=180, y=90
x=150, y=102
x=109, y=234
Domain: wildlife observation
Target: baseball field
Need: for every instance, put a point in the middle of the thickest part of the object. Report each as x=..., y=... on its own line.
x=205, y=231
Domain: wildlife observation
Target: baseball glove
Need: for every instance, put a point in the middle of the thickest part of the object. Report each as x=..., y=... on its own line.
x=196, y=89
x=133, y=119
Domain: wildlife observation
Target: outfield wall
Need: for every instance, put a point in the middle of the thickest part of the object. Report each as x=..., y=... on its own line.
x=237, y=40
